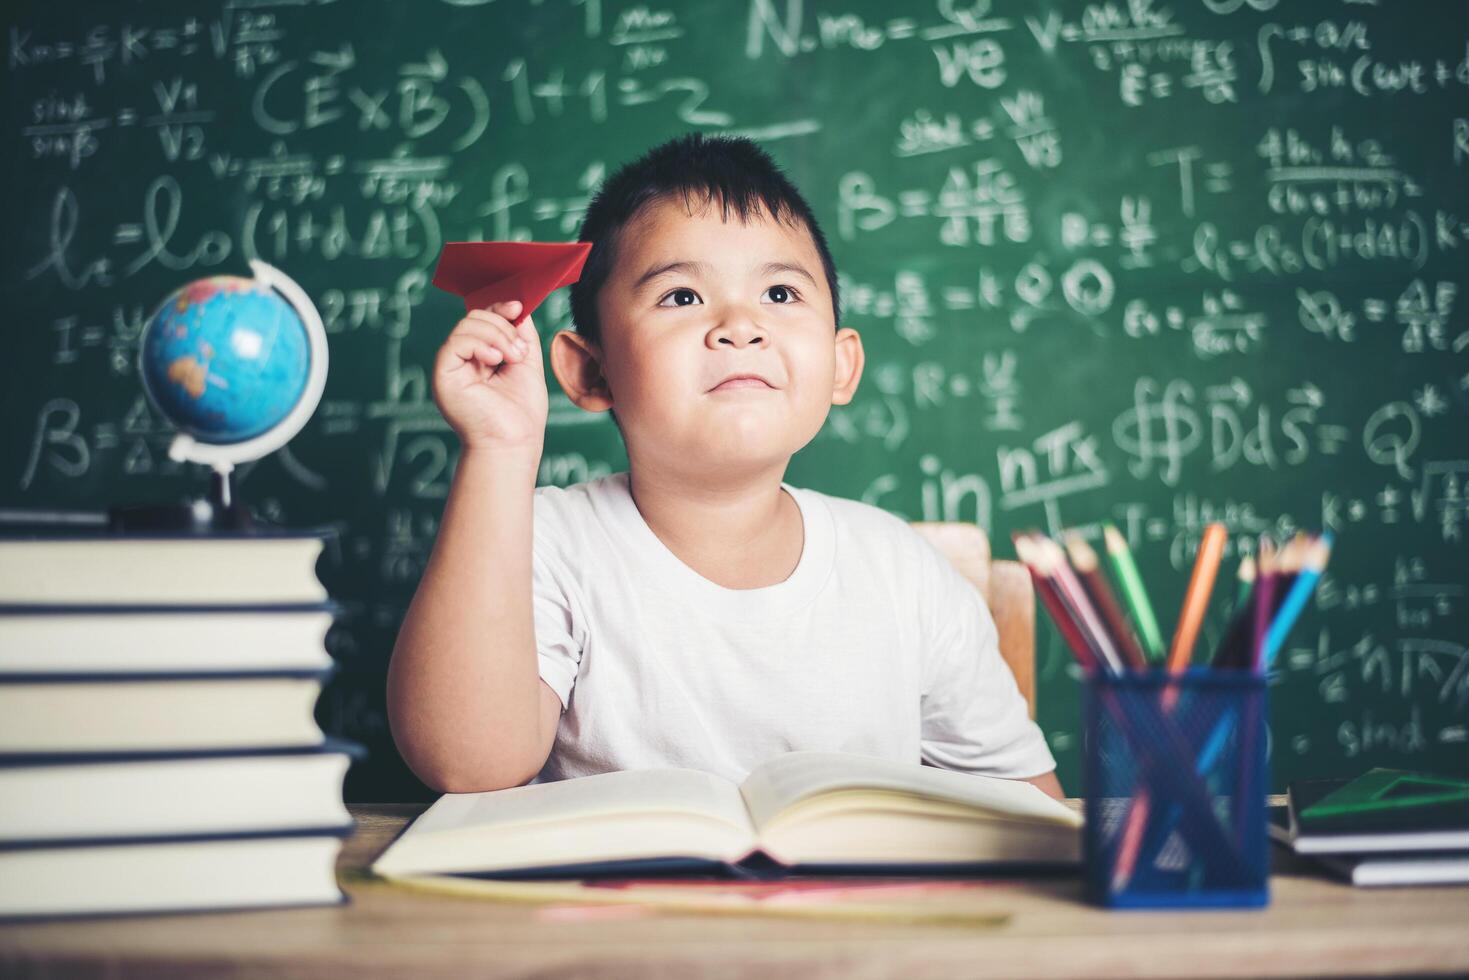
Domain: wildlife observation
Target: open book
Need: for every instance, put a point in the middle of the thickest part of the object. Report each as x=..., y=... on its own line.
x=819, y=811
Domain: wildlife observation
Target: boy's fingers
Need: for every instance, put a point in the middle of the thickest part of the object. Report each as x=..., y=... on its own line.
x=508, y=309
x=527, y=331
x=490, y=317
x=504, y=337
x=489, y=356
x=467, y=348
x=516, y=342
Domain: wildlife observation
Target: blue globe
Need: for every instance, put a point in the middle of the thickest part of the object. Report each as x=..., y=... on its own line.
x=225, y=359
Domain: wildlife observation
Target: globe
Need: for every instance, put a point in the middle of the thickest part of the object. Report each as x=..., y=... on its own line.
x=226, y=359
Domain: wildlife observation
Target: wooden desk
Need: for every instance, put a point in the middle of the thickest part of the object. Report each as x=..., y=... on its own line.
x=1313, y=926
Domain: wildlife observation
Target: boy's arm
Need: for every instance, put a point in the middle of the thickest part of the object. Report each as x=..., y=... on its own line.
x=466, y=704
x=973, y=715
x=467, y=707
x=1046, y=782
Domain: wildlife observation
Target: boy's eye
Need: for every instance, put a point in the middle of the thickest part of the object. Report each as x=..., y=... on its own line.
x=680, y=297
x=686, y=297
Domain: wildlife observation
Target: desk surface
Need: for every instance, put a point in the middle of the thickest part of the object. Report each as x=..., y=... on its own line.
x=1313, y=926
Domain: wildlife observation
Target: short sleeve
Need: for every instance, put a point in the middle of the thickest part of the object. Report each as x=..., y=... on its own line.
x=559, y=633
x=974, y=717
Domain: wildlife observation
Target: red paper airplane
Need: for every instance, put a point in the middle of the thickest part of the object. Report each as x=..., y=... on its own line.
x=485, y=273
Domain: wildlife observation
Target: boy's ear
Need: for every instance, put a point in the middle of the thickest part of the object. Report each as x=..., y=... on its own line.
x=577, y=364
x=849, y=361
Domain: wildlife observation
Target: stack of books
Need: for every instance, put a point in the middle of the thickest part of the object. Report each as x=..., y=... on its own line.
x=158, y=745
x=1386, y=827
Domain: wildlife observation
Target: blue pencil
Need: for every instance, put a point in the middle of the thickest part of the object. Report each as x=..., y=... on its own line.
x=1289, y=611
x=1295, y=599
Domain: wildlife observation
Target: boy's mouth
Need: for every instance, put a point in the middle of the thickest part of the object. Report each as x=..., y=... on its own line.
x=742, y=381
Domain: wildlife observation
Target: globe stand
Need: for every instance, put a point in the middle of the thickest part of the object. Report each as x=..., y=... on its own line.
x=219, y=512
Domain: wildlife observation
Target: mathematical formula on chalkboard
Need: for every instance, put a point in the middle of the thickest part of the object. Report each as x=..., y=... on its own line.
x=1149, y=263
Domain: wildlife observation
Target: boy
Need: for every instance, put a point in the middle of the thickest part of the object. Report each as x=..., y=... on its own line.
x=695, y=611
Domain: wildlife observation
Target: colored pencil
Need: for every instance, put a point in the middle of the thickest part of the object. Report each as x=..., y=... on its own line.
x=1196, y=599
x=1280, y=580
x=1264, y=605
x=1087, y=616
x=1314, y=563
x=1060, y=615
x=1288, y=563
x=1236, y=635
x=1283, y=581
x=1312, y=560
x=1280, y=570
x=1133, y=593
x=1088, y=569
x=1132, y=839
x=1195, y=602
x=1233, y=649
x=1246, y=579
x=1294, y=552
x=1049, y=566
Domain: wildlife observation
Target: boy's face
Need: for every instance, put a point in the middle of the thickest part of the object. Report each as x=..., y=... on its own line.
x=670, y=336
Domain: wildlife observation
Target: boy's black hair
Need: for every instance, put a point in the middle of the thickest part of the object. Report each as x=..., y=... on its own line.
x=732, y=170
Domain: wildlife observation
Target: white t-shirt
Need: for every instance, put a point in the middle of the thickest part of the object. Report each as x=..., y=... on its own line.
x=875, y=644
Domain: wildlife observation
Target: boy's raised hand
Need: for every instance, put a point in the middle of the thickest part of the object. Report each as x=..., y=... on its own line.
x=490, y=383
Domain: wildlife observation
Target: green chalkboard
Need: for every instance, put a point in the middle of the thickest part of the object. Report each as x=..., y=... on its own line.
x=1153, y=263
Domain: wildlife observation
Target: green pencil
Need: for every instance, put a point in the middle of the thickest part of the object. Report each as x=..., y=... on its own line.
x=1246, y=575
x=1134, y=593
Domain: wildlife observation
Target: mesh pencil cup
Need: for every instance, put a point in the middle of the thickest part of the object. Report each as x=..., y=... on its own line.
x=1175, y=784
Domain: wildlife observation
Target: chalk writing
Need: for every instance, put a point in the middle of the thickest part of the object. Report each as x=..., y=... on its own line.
x=1142, y=263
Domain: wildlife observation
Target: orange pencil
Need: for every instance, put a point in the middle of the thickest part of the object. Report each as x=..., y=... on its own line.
x=1196, y=599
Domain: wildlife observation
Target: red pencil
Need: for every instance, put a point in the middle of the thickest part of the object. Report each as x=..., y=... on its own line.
x=1088, y=569
x=1070, y=588
x=1054, y=604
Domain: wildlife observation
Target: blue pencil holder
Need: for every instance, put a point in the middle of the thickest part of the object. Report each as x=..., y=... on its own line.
x=1175, y=781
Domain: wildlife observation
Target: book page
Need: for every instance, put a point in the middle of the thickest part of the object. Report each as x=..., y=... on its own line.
x=636, y=814
x=785, y=781
x=630, y=791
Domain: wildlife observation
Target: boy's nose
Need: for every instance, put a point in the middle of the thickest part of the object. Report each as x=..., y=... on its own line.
x=737, y=330
x=754, y=338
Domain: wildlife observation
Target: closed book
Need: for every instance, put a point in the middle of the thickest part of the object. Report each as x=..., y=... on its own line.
x=170, y=876
x=1404, y=812
x=142, y=639
x=142, y=713
x=1410, y=868
x=98, y=568
x=819, y=812
x=59, y=798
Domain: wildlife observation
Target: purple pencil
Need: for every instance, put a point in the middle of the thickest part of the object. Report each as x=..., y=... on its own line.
x=1264, y=602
